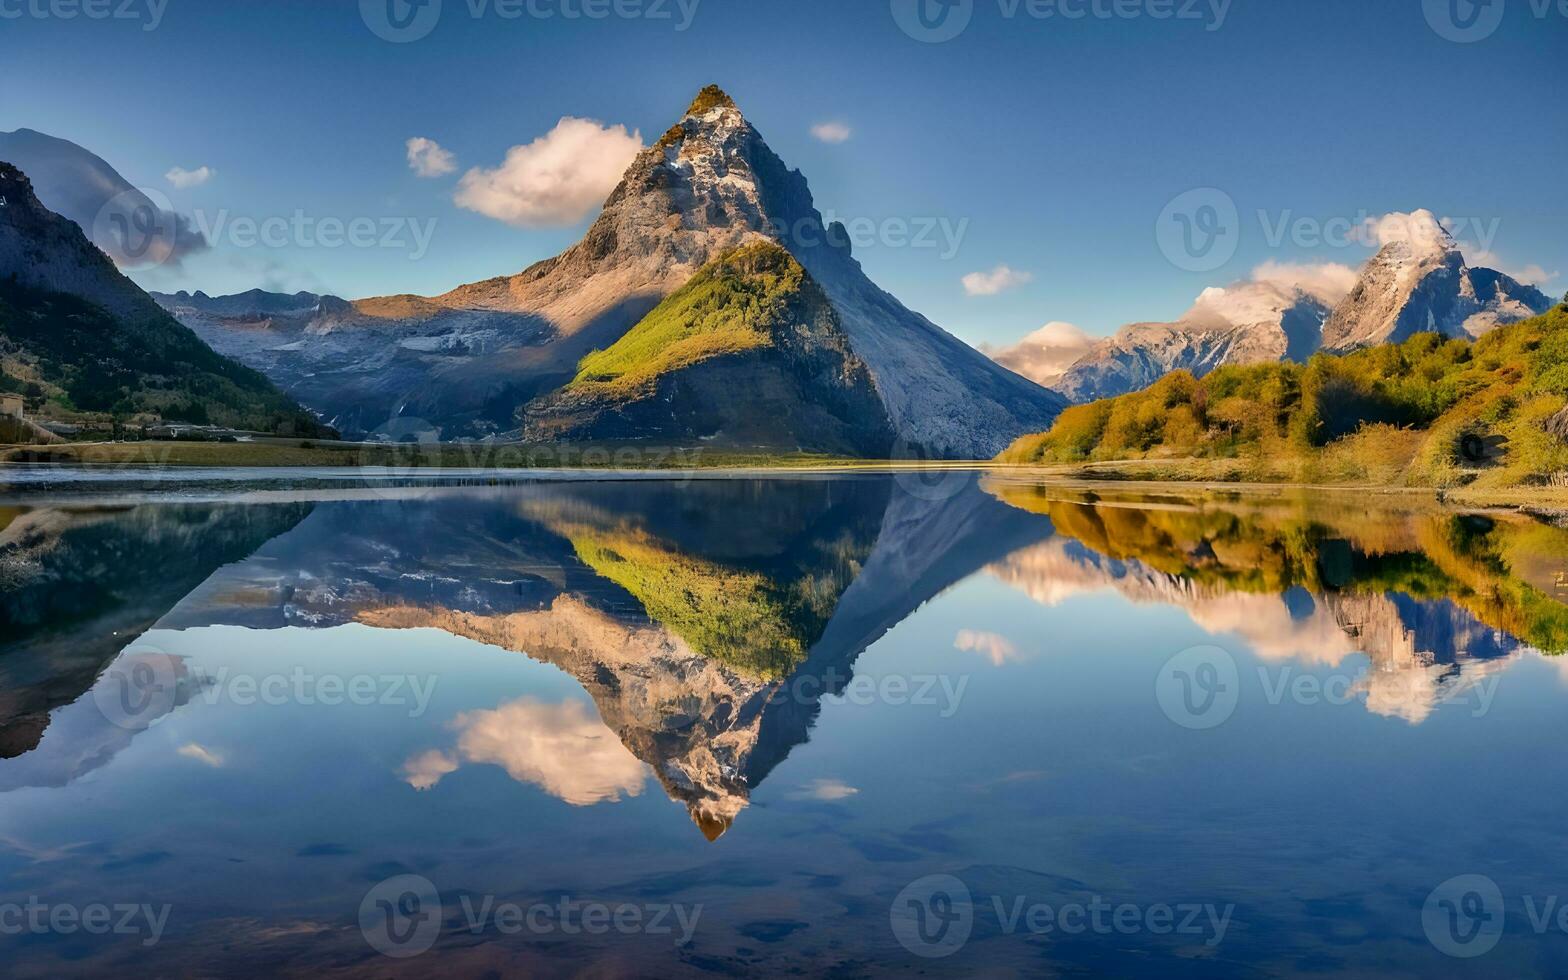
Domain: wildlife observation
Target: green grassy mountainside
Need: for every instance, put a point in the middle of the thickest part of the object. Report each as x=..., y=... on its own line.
x=69, y=356
x=748, y=353
x=1492, y=412
x=77, y=336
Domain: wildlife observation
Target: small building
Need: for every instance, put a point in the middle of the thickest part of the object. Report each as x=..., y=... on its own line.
x=12, y=406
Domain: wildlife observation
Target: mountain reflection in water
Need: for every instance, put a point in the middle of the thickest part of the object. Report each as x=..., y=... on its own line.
x=709, y=622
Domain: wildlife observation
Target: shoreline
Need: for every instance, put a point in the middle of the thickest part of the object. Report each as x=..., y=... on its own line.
x=175, y=463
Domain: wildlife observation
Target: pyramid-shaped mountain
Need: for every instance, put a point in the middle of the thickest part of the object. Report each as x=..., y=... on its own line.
x=472, y=359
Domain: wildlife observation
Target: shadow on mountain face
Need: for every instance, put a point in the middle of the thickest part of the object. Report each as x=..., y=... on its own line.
x=82, y=585
x=706, y=619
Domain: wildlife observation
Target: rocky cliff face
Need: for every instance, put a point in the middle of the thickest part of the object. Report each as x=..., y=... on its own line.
x=45, y=251
x=1413, y=287
x=1248, y=323
x=708, y=185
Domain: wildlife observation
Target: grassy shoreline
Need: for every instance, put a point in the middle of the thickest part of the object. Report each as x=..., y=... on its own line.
x=1184, y=477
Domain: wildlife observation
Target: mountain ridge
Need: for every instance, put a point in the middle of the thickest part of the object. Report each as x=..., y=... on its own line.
x=708, y=185
x=81, y=335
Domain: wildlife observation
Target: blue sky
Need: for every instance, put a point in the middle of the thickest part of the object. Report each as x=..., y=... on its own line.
x=1053, y=143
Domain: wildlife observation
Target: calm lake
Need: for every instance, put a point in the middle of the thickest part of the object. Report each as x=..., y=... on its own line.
x=938, y=724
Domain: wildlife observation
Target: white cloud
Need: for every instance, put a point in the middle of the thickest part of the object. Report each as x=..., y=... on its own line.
x=561, y=748
x=183, y=179
x=427, y=158
x=998, y=280
x=556, y=180
x=993, y=646
x=1533, y=274
x=826, y=790
x=1328, y=281
x=832, y=132
x=1420, y=228
x=202, y=754
x=1045, y=355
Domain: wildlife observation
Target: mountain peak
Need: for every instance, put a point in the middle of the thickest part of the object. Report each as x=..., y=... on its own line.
x=711, y=97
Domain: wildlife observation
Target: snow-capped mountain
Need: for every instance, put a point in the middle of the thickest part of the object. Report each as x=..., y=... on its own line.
x=1418, y=282
x=1246, y=323
x=1422, y=284
x=469, y=359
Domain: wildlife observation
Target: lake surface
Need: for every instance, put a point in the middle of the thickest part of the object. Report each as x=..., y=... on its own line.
x=918, y=725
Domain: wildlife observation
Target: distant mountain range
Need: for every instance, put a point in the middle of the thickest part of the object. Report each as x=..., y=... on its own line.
x=497, y=355
x=1410, y=286
x=78, y=335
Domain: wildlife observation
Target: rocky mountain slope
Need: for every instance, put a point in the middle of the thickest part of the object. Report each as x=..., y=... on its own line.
x=1247, y=323
x=468, y=359
x=1417, y=286
x=1414, y=285
x=121, y=219
x=748, y=353
x=89, y=339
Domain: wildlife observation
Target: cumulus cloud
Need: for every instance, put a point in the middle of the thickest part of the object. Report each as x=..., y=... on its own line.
x=832, y=132
x=998, y=280
x=1045, y=355
x=993, y=646
x=427, y=158
x=1421, y=228
x=1533, y=274
x=826, y=790
x=182, y=178
x=561, y=748
x=202, y=754
x=556, y=180
x=1328, y=281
